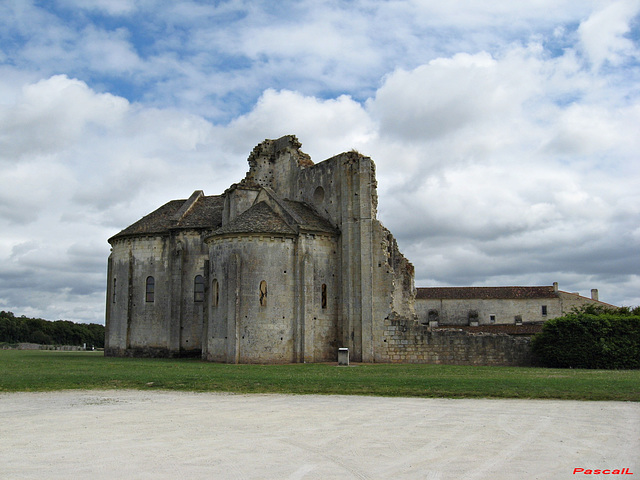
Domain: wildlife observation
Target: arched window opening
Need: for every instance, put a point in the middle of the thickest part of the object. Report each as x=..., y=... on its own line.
x=198, y=289
x=263, y=293
x=324, y=295
x=150, y=290
x=318, y=195
x=113, y=293
x=215, y=295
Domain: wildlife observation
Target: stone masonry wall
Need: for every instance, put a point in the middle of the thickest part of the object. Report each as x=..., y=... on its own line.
x=410, y=342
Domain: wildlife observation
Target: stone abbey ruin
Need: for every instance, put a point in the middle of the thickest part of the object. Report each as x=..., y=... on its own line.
x=291, y=264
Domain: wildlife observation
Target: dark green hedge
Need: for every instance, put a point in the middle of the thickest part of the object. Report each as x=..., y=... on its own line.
x=609, y=339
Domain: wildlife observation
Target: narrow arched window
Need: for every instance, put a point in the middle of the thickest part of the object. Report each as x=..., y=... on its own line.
x=198, y=289
x=263, y=293
x=114, y=291
x=324, y=295
x=215, y=295
x=150, y=290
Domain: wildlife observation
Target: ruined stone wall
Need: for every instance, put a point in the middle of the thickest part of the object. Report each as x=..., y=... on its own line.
x=237, y=201
x=377, y=281
x=135, y=323
x=275, y=164
x=251, y=324
x=293, y=324
x=169, y=325
x=319, y=292
x=410, y=342
x=190, y=254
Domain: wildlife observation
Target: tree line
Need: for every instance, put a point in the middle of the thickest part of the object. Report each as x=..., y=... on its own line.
x=44, y=332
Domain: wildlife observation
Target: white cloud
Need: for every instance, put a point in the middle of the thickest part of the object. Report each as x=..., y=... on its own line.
x=52, y=114
x=502, y=155
x=326, y=127
x=603, y=33
x=109, y=52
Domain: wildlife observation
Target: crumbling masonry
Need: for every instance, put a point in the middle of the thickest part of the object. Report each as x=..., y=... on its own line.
x=287, y=265
x=291, y=264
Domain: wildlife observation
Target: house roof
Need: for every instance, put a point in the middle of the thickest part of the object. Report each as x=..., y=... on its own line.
x=502, y=293
x=197, y=212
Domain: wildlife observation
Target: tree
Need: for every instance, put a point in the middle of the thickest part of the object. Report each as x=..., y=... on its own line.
x=61, y=332
x=591, y=337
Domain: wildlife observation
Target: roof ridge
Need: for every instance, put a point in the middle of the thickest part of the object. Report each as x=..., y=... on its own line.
x=247, y=223
x=187, y=205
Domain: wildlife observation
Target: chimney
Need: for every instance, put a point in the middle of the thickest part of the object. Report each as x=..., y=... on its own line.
x=555, y=287
x=594, y=294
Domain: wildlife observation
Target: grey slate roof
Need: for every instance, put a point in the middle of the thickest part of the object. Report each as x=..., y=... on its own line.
x=206, y=213
x=467, y=293
x=260, y=218
x=309, y=219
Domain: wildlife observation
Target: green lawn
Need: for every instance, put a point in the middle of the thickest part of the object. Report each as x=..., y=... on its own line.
x=53, y=370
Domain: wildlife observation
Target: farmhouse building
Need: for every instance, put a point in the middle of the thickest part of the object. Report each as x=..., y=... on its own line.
x=478, y=306
x=288, y=265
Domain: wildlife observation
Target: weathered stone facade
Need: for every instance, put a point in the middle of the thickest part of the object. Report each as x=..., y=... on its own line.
x=287, y=265
x=411, y=342
x=291, y=264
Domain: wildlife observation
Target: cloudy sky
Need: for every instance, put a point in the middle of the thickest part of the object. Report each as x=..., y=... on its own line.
x=506, y=134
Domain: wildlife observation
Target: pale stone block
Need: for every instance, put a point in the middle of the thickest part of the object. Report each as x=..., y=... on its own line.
x=343, y=356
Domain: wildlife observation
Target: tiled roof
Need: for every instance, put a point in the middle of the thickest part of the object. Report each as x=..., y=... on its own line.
x=503, y=293
x=206, y=212
x=307, y=218
x=260, y=218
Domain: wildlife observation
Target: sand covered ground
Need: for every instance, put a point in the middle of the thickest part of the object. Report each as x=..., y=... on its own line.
x=167, y=435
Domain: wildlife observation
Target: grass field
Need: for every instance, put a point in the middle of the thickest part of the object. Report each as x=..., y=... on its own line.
x=22, y=370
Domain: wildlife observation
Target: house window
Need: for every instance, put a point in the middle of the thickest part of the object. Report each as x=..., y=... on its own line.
x=114, y=291
x=492, y=318
x=544, y=310
x=324, y=295
x=263, y=293
x=198, y=288
x=214, y=293
x=150, y=290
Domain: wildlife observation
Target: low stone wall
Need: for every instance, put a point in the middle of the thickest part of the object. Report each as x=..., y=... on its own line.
x=410, y=342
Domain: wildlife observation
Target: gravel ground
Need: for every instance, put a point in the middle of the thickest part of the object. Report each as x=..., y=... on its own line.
x=167, y=435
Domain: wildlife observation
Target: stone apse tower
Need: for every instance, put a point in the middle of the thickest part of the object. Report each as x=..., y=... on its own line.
x=287, y=265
